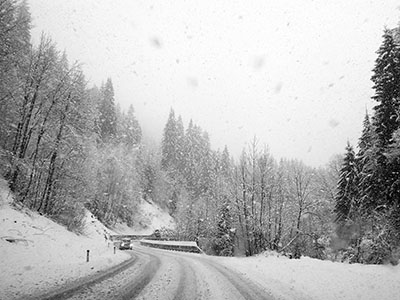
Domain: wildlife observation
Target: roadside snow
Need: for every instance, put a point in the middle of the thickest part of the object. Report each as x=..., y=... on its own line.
x=41, y=254
x=308, y=278
x=150, y=218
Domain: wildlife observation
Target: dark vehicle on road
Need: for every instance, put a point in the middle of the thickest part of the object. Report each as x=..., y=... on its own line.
x=126, y=244
x=157, y=234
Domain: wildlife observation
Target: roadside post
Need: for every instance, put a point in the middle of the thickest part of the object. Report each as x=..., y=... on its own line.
x=87, y=255
x=114, y=249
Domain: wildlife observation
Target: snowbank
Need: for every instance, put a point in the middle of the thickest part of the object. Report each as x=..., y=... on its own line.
x=308, y=278
x=37, y=254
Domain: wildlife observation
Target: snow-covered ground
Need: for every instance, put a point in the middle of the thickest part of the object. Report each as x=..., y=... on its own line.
x=308, y=278
x=44, y=253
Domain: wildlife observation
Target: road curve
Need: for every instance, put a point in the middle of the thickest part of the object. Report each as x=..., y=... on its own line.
x=196, y=276
x=161, y=274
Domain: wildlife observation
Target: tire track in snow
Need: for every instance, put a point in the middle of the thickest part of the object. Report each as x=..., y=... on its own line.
x=70, y=289
x=135, y=287
x=245, y=287
x=174, y=279
x=185, y=285
x=126, y=284
x=199, y=277
x=124, y=281
x=165, y=275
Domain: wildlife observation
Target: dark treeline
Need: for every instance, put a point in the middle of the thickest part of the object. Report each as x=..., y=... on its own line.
x=368, y=199
x=65, y=147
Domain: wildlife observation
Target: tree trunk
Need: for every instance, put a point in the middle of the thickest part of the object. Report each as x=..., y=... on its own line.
x=50, y=182
x=249, y=251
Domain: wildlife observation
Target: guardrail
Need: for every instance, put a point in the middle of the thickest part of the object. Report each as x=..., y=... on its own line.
x=118, y=237
x=172, y=245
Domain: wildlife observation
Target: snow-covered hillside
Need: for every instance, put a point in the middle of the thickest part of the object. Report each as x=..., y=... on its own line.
x=150, y=217
x=36, y=253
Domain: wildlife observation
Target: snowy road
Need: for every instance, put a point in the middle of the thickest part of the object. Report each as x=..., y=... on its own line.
x=162, y=274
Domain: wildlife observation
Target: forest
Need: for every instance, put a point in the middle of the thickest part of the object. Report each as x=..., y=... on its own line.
x=66, y=146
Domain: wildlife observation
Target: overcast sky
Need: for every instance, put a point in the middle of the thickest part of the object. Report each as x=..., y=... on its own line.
x=296, y=74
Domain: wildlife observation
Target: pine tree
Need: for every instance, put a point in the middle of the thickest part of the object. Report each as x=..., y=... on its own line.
x=377, y=159
x=169, y=144
x=366, y=165
x=386, y=79
x=225, y=162
x=131, y=133
x=107, y=113
x=198, y=163
x=191, y=156
x=385, y=120
x=206, y=164
x=393, y=155
x=180, y=146
x=347, y=203
x=366, y=139
x=224, y=240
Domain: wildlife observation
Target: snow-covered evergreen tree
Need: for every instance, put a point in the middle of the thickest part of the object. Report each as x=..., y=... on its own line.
x=366, y=139
x=107, y=113
x=347, y=199
x=128, y=131
x=378, y=165
x=385, y=121
x=224, y=239
x=169, y=143
x=386, y=79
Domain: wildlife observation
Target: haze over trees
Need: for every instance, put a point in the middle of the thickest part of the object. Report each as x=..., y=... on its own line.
x=65, y=146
